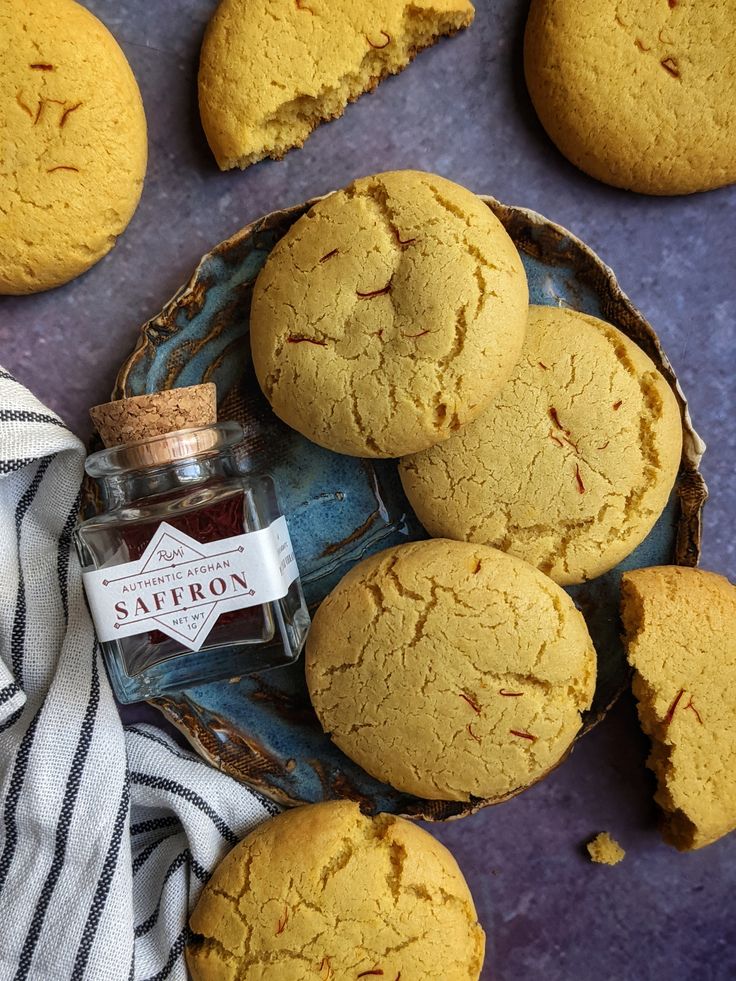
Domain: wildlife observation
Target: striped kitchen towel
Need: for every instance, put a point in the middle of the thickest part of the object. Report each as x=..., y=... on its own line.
x=107, y=833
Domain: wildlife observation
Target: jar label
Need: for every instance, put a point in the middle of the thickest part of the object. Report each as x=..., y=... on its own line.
x=180, y=586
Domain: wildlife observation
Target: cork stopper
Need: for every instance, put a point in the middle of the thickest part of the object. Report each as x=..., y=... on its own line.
x=147, y=416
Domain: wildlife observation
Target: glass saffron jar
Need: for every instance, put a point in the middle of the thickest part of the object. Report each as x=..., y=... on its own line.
x=188, y=569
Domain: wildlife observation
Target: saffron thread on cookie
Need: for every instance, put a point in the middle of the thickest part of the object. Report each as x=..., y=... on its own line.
x=471, y=702
x=328, y=255
x=281, y=926
x=67, y=113
x=380, y=46
x=523, y=735
x=671, y=710
x=402, y=241
x=670, y=66
x=372, y=293
x=293, y=339
x=692, y=707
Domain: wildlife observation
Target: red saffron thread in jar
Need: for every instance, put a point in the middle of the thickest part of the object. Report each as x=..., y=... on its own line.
x=221, y=519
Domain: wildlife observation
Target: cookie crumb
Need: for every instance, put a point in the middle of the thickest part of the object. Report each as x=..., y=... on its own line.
x=605, y=850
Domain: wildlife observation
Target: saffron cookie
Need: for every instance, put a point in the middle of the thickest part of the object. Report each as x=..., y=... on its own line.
x=325, y=892
x=389, y=315
x=73, y=143
x=271, y=71
x=571, y=464
x=638, y=95
x=450, y=671
x=681, y=641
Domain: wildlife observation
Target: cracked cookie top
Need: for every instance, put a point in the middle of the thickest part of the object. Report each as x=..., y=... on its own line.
x=570, y=465
x=324, y=892
x=639, y=95
x=73, y=138
x=388, y=315
x=449, y=670
x=272, y=70
x=681, y=641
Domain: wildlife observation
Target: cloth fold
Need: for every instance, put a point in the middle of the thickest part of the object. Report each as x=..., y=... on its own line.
x=107, y=833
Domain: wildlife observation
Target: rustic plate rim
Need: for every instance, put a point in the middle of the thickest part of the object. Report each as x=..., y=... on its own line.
x=693, y=492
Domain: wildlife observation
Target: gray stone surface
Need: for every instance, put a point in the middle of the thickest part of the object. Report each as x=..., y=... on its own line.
x=462, y=111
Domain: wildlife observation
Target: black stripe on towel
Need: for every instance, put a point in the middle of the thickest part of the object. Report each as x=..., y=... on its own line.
x=18, y=634
x=162, y=742
x=172, y=787
x=154, y=824
x=8, y=692
x=10, y=466
x=103, y=887
x=13, y=796
x=66, y=813
x=174, y=955
x=182, y=858
x=25, y=415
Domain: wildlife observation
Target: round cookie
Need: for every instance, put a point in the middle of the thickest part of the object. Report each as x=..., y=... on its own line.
x=571, y=465
x=681, y=641
x=270, y=72
x=639, y=95
x=323, y=891
x=73, y=134
x=389, y=315
x=451, y=671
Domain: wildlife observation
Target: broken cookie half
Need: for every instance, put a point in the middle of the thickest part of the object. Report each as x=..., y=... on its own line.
x=680, y=628
x=272, y=70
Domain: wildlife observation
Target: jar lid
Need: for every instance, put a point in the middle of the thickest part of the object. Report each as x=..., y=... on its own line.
x=142, y=417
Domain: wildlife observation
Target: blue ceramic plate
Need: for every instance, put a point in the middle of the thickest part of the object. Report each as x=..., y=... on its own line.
x=262, y=729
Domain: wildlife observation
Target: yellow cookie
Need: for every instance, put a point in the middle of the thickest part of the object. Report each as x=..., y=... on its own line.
x=451, y=671
x=389, y=315
x=605, y=850
x=639, y=95
x=681, y=641
x=324, y=892
x=72, y=140
x=272, y=70
x=572, y=463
